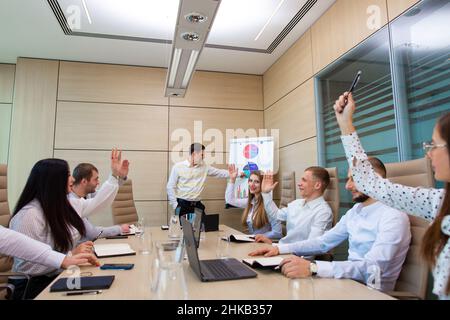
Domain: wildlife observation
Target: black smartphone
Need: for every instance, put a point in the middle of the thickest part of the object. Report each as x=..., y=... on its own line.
x=117, y=237
x=117, y=266
x=355, y=81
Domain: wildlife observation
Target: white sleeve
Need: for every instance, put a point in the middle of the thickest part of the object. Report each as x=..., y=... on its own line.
x=271, y=208
x=231, y=199
x=20, y=246
x=423, y=202
x=102, y=200
x=218, y=173
x=93, y=232
x=171, y=186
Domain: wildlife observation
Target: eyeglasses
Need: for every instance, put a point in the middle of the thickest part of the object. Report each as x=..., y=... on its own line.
x=429, y=146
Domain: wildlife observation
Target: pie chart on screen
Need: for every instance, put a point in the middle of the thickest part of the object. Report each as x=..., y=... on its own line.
x=251, y=151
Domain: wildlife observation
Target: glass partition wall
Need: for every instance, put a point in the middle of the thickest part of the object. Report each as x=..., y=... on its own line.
x=404, y=88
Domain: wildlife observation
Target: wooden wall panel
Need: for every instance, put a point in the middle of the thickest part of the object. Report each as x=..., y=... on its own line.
x=292, y=69
x=212, y=122
x=342, y=27
x=33, y=120
x=92, y=82
x=5, y=124
x=397, y=7
x=148, y=170
x=103, y=126
x=7, y=82
x=223, y=90
x=294, y=115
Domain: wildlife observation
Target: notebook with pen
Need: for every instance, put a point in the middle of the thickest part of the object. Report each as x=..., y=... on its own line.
x=113, y=250
x=85, y=283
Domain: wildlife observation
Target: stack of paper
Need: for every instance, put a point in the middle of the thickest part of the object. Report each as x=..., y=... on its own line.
x=240, y=238
x=113, y=250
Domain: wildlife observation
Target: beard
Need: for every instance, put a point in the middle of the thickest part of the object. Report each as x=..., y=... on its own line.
x=361, y=198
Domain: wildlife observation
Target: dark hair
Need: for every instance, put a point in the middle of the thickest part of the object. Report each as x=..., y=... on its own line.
x=434, y=239
x=378, y=165
x=195, y=147
x=83, y=171
x=320, y=174
x=47, y=184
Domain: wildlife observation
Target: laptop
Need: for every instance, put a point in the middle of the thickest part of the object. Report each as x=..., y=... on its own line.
x=215, y=269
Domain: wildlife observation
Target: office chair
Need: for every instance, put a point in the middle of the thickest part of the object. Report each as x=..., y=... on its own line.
x=123, y=207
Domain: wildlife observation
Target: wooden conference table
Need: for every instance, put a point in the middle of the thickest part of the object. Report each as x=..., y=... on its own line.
x=268, y=285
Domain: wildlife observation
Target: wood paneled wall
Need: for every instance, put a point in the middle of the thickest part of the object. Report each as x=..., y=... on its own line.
x=7, y=72
x=95, y=107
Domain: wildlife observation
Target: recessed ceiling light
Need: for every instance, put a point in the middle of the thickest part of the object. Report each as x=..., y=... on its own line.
x=196, y=17
x=190, y=36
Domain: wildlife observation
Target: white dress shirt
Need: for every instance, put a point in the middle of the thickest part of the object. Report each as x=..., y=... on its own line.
x=187, y=182
x=422, y=202
x=92, y=232
x=15, y=244
x=304, y=220
x=272, y=229
x=378, y=236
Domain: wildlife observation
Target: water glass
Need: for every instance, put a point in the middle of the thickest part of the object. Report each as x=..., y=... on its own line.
x=301, y=289
x=145, y=244
x=222, y=246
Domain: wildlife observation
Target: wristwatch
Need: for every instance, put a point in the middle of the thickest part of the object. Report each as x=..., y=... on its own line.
x=313, y=268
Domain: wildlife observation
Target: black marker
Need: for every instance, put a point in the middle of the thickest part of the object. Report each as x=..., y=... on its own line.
x=353, y=86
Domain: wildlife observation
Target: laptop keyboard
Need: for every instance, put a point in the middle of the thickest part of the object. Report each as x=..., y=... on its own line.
x=219, y=269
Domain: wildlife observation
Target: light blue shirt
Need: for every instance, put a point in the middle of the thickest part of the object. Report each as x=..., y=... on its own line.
x=379, y=237
x=304, y=220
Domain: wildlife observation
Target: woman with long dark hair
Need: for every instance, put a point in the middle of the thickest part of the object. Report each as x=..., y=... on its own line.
x=254, y=216
x=429, y=203
x=44, y=213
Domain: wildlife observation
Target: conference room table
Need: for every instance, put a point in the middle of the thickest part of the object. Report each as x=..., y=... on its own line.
x=135, y=284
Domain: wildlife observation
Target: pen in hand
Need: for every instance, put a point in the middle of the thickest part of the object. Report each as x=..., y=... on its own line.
x=98, y=236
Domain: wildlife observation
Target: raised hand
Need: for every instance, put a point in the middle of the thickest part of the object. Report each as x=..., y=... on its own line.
x=267, y=184
x=119, y=167
x=232, y=170
x=344, y=108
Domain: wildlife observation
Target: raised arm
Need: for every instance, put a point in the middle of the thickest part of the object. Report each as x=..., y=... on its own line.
x=107, y=192
x=423, y=202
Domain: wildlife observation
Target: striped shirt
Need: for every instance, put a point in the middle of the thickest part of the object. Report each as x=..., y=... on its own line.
x=187, y=182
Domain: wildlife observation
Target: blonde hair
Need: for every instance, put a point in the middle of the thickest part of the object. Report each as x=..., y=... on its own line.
x=259, y=217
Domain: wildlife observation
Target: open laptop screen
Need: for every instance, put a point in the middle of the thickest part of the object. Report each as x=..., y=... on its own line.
x=191, y=246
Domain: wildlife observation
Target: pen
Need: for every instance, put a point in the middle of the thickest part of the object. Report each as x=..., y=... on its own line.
x=83, y=292
x=98, y=236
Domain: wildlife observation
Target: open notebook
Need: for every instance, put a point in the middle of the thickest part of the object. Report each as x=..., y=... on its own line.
x=113, y=250
x=240, y=238
x=269, y=263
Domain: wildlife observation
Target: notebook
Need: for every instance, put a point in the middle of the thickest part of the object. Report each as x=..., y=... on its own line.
x=113, y=250
x=86, y=283
x=240, y=238
x=266, y=263
x=215, y=269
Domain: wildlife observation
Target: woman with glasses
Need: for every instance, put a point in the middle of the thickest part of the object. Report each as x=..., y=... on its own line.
x=431, y=204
